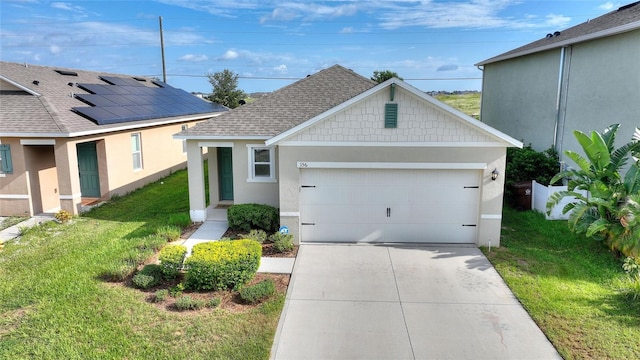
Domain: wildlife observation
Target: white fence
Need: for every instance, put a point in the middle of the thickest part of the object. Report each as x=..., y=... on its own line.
x=540, y=195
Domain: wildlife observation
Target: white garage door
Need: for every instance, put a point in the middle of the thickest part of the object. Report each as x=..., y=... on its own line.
x=381, y=205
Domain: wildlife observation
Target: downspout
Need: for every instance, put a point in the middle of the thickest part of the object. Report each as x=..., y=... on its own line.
x=561, y=100
x=481, y=68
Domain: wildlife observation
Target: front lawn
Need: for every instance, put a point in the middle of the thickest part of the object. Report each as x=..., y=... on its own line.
x=56, y=304
x=571, y=286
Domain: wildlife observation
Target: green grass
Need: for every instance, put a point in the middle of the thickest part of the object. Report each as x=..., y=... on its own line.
x=467, y=103
x=55, y=304
x=571, y=287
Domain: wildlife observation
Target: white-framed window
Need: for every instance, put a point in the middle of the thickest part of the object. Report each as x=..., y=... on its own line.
x=184, y=142
x=136, y=151
x=262, y=163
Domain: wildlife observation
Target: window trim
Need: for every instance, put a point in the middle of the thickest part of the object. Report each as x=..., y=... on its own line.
x=251, y=162
x=138, y=136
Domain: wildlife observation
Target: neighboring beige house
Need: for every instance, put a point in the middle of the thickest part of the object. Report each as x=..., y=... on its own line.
x=71, y=137
x=349, y=160
x=583, y=78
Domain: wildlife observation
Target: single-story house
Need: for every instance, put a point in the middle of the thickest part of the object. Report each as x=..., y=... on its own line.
x=582, y=78
x=69, y=137
x=348, y=160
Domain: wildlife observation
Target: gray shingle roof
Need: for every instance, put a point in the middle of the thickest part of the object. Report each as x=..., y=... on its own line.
x=50, y=114
x=286, y=107
x=625, y=18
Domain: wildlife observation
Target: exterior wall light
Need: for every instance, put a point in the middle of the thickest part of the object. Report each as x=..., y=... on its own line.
x=494, y=174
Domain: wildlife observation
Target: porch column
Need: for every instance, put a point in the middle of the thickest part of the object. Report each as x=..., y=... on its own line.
x=195, y=171
x=68, y=178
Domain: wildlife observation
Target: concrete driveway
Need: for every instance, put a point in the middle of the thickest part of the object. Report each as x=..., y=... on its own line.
x=402, y=302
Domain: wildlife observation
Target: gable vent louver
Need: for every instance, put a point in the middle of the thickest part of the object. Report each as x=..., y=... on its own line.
x=391, y=111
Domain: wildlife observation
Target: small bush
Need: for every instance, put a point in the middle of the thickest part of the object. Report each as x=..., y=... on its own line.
x=63, y=216
x=258, y=292
x=282, y=242
x=253, y=216
x=188, y=303
x=632, y=268
x=222, y=264
x=169, y=232
x=181, y=220
x=255, y=234
x=160, y=295
x=171, y=258
x=214, y=303
x=149, y=276
x=177, y=290
x=527, y=164
x=143, y=281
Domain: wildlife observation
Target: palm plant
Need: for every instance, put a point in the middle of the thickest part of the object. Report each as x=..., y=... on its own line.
x=611, y=201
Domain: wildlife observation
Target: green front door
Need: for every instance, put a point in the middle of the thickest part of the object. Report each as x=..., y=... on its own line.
x=88, y=169
x=225, y=173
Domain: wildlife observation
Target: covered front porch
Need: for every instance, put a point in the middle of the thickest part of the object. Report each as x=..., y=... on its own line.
x=219, y=176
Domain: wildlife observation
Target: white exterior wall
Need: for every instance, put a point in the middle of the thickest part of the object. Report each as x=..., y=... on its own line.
x=425, y=134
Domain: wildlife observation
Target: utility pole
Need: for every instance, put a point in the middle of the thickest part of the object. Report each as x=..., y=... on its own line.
x=164, y=69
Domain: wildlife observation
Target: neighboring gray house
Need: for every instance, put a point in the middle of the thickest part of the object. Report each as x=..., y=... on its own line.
x=349, y=160
x=583, y=78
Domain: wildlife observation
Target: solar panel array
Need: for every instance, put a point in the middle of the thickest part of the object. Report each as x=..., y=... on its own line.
x=121, y=100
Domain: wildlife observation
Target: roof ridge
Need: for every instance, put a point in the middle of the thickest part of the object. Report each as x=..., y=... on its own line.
x=52, y=111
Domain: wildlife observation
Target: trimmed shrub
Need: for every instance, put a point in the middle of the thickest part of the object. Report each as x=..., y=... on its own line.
x=169, y=232
x=253, y=216
x=222, y=264
x=528, y=164
x=171, y=258
x=282, y=242
x=188, y=303
x=160, y=295
x=258, y=292
x=255, y=234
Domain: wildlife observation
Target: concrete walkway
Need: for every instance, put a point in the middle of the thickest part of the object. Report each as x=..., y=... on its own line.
x=395, y=302
x=216, y=225
x=13, y=232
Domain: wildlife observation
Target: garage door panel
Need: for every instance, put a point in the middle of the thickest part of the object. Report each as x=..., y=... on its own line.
x=384, y=205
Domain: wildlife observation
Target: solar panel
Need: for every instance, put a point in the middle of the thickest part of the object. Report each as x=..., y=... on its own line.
x=121, y=99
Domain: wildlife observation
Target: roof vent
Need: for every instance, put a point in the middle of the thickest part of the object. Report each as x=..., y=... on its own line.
x=139, y=79
x=67, y=73
x=549, y=36
x=557, y=33
x=70, y=84
x=36, y=82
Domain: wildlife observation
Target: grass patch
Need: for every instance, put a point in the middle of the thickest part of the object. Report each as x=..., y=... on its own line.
x=467, y=103
x=570, y=286
x=55, y=303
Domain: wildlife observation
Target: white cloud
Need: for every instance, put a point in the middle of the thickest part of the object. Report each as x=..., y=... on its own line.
x=193, y=58
x=229, y=55
x=55, y=49
x=608, y=6
x=557, y=20
x=281, y=69
x=448, y=67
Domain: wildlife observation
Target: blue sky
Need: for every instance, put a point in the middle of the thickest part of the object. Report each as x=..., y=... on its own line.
x=433, y=44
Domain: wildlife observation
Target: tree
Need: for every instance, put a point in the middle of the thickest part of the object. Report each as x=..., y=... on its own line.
x=225, y=88
x=384, y=75
x=609, y=210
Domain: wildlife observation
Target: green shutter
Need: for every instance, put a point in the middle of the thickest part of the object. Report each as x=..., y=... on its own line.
x=391, y=116
x=5, y=155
